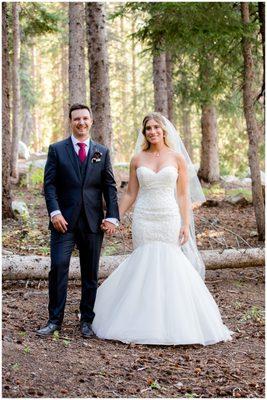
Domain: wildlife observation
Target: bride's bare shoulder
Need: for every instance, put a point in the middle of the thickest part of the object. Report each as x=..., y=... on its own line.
x=136, y=159
x=179, y=159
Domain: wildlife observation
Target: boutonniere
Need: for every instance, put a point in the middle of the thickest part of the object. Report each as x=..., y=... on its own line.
x=96, y=157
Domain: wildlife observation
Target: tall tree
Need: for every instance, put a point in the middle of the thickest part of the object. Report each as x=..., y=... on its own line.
x=186, y=124
x=6, y=137
x=252, y=128
x=134, y=79
x=65, y=89
x=99, y=73
x=209, y=169
x=15, y=90
x=261, y=9
x=27, y=94
x=170, y=92
x=77, y=86
x=160, y=83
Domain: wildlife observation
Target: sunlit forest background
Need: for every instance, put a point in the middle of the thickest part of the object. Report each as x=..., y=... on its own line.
x=43, y=76
x=200, y=64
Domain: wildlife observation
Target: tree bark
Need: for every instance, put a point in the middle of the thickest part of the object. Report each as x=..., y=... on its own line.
x=252, y=128
x=209, y=165
x=99, y=72
x=35, y=140
x=65, y=90
x=15, y=90
x=77, y=85
x=187, y=133
x=26, y=93
x=134, y=79
x=261, y=9
x=6, y=135
x=35, y=267
x=160, y=84
x=170, y=91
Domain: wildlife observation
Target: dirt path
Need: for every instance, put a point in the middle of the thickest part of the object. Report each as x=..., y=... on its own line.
x=70, y=366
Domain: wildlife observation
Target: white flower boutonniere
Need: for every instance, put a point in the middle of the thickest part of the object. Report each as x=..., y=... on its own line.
x=96, y=157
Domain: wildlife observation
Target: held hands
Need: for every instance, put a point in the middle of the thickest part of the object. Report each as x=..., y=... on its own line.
x=59, y=223
x=184, y=234
x=108, y=227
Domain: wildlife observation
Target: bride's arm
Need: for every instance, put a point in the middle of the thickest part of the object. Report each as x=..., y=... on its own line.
x=132, y=189
x=183, y=196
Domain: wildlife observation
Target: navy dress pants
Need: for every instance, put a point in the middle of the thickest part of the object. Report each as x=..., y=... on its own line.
x=62, y=245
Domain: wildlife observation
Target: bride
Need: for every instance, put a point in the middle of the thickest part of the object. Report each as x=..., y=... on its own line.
x=158, y=295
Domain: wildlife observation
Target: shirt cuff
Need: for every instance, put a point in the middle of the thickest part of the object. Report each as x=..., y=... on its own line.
x=53, y=213
x=114, y=221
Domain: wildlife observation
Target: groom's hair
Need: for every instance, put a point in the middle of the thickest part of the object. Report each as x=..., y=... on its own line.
x=78, y=106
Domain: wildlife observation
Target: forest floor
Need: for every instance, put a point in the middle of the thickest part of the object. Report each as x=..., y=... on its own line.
x=66, y=365
x=70, y=366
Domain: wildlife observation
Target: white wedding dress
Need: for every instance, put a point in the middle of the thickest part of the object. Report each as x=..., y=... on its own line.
x=156, y=296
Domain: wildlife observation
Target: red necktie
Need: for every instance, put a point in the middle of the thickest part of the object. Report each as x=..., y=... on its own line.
x=82, y=152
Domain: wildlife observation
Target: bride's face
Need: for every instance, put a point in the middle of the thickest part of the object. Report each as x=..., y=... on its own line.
x=153, y=131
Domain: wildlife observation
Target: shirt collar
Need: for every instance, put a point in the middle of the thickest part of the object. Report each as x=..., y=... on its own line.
x=75, y=141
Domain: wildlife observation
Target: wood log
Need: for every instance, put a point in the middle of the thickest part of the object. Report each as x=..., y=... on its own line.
x=15, y=267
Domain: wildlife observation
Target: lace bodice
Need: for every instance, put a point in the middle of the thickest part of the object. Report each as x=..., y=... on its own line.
x=156, y=214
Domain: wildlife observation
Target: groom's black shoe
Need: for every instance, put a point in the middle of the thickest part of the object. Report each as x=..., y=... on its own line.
x=49, y=329
x=86, y=329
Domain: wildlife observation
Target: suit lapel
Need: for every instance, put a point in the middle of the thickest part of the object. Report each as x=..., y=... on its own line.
x=73, y=157
x=92, y=149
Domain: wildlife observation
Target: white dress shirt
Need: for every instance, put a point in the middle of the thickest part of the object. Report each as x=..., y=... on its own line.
x=77, y=148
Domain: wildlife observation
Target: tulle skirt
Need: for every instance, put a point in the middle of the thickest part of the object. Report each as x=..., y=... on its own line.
x=157, y=297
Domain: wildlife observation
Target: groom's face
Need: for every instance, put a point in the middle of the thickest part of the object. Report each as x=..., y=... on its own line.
x=81, y=123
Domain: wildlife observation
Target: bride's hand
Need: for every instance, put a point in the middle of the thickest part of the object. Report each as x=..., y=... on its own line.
x=184, y=234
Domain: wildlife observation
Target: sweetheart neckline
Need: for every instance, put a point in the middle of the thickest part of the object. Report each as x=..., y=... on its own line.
x=150, y=169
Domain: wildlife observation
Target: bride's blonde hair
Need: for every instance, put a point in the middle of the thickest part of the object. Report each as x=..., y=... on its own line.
x=157, y=117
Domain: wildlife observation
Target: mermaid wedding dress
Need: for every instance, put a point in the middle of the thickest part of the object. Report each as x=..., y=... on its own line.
x=156, y=296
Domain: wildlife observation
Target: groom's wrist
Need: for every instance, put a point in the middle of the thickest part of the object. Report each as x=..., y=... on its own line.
x=114, y=221
x=54, y=213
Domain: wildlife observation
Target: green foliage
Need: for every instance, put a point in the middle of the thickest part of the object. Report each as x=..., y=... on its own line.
x=45, y=250
x=56, y=335
x=255, y=313
x=110, y=250
x=247, y=193
x=155, y=385
x=38, y=18
x=15, y=366
x=205, y=42
x=36, y=176
x=190, y=395
x=26, y=349
x=215, y=189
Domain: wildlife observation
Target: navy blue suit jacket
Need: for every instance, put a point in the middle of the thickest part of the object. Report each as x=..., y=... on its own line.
x=65, y=190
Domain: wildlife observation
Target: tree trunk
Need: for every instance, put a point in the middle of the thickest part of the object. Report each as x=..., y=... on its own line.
x=134, y=80
x=16, y=267
x=15, y=90
x=26, y=93
x=261, y=9
x=77, y=85
x=170, y=92
x=6, y=133
x=209, y=165
x=123, y=68
x=35, y=136
x=252, y=128
x=99, y=77
x=160, y=84
x=65, y=90
x=187, y=133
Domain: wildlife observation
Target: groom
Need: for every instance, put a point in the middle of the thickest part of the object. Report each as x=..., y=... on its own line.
x=78, y=173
